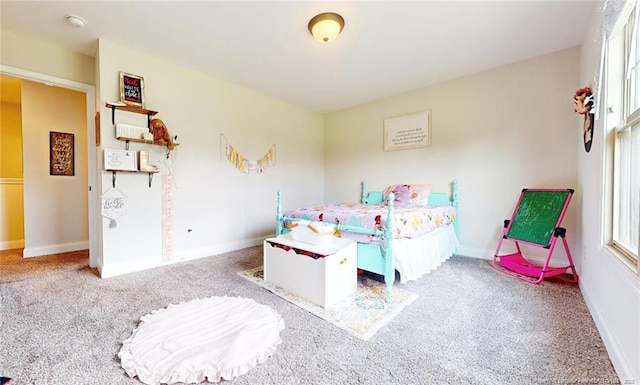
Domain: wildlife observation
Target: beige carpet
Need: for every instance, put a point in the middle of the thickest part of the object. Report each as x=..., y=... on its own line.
x=470, y=325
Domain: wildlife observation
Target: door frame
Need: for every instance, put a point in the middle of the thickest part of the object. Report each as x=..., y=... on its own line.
x=90, y=97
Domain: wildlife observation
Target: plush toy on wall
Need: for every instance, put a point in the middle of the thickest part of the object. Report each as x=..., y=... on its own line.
x=583, y=104
x=583, y=100
x=161, y=133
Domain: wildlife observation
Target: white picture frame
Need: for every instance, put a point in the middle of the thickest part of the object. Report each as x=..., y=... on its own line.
x=407, y=131
x=120, y=160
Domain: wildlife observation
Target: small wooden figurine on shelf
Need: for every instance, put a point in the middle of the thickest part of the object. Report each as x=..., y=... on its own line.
x=161, y=134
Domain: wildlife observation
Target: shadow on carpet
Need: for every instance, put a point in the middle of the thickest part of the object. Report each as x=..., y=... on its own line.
x=361, y=314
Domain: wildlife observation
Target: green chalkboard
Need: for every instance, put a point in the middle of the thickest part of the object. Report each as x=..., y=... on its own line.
x=537, y=214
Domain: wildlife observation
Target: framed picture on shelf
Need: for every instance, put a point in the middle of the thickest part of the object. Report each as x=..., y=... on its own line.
x=61, y=155
x=131, y=89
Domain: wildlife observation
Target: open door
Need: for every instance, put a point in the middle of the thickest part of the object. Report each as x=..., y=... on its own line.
x=91, y=187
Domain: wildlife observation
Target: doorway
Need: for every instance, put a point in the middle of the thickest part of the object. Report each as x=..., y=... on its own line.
x=88, y=162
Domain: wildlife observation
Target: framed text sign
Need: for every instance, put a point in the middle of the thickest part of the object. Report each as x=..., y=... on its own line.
x=407, y=131
x=131, y=90
x=61, y=153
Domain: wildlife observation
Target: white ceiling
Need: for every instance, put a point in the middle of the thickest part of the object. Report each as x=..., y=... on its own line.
x=385, y=48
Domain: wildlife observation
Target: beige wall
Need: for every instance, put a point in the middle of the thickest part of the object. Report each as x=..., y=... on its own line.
x=11, y=214
x=11, y=183
x=225, y=208
x=55, y=210
x=10, y=141
x=35, y=55
x=496, y=132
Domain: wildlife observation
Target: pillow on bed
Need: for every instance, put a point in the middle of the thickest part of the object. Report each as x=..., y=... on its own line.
x=418, y=194
x=401, y=193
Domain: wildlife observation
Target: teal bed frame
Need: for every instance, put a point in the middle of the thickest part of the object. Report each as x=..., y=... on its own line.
x=379, y=259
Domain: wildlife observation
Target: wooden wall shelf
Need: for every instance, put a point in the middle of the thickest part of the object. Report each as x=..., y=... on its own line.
x=133, y=109
x=135, y=140
x=114, y=172
x=138, y=140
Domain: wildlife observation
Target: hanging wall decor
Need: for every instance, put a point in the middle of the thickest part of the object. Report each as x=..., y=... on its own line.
x=407, y=131
x=114, y=205
x=583, y=104
x=242, y=163
x=61, y=156
x=131, y=89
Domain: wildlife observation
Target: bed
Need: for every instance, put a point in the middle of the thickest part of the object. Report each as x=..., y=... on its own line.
x=405, y=228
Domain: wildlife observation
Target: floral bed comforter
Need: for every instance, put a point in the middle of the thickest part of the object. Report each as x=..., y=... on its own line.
x=410, y=221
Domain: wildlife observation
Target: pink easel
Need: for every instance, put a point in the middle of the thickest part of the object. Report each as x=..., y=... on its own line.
x=536, y=221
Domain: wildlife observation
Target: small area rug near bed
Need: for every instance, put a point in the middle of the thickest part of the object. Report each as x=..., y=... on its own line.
x=207, y=339
x=361, y=314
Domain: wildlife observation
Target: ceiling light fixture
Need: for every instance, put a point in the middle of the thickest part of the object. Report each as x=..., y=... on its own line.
x=325, y=27
x=76, y=21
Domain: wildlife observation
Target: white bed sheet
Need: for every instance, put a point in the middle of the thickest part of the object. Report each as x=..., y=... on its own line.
x=419, y=256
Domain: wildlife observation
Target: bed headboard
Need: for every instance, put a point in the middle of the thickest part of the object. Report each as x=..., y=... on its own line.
x=443, y=198
x=372, y=197
x=435, y=198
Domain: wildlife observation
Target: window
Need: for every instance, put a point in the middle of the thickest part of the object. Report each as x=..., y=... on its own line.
x=623, y=122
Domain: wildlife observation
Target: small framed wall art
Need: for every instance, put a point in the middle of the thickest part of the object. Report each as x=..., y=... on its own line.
x=407, y=131
x=131, y=89
x=61, y=160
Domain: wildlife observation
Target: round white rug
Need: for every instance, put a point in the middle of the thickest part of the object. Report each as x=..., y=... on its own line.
x=201, y=340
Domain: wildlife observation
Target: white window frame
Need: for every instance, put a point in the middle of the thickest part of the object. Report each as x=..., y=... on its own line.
x=624, y=116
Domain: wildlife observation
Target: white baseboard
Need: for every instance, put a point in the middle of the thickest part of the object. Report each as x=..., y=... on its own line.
x=624, y=372
x=556, y=260
x=54, y=249
x=8, y=245
x=474, y=253
x=624, y=362
x=114, y=270
x=111, y=270
x=218, y=249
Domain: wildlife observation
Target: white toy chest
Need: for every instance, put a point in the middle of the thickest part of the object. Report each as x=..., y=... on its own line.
x=323, y=274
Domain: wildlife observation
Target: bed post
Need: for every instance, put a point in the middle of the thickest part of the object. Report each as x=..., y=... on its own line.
x=454, y=203
x=279, y=214
x=364, y=192
x=390, y=270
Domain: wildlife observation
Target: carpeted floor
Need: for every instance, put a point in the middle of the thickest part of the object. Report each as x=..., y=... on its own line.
x=62, y=324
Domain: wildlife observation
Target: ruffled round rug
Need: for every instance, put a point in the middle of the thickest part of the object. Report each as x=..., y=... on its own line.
x=205, y=339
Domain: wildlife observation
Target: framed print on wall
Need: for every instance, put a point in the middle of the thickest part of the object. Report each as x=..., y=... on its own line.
x=131, y=89
x=407, y=131
x=61, y=156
